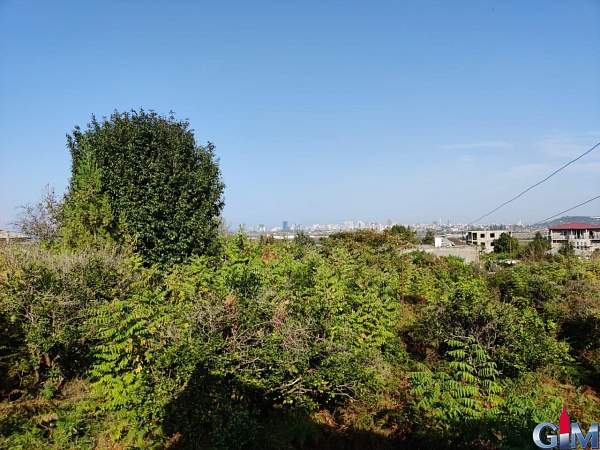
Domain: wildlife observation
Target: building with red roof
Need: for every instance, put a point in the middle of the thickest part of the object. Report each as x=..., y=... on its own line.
x=585, y=237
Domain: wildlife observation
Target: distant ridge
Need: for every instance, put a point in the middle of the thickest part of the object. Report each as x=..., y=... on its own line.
x=569, y=219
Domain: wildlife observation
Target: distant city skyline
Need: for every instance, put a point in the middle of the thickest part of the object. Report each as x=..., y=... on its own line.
x=321, y=111
x=349, y=224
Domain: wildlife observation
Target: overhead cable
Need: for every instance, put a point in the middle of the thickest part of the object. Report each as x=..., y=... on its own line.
x=566, y=210
x=536, y=184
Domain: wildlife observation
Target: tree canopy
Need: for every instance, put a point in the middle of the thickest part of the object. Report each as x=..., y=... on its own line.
x=538, y=247
x=410, y=236
x=141, y=177
x=506, y=244
x=429, y=238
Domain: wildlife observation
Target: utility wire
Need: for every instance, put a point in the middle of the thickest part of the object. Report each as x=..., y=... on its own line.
x=566, y=210
x=536, y=184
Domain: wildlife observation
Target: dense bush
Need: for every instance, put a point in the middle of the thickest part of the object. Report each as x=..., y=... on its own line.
x=47, y=299
x=141, y=178
x=351, y=343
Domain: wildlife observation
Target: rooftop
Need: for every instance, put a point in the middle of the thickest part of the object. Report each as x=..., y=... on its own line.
x=575, y=226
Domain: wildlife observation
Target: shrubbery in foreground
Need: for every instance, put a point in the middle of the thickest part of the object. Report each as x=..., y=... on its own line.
x=344, y=344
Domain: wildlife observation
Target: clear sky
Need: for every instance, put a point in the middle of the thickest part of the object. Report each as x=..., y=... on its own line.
x=321, y=110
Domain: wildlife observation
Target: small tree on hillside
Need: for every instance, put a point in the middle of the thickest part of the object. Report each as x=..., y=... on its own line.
x=567, y=249
x=41, y=221
x=538, y=248
x=429, y=238
x=506, y=244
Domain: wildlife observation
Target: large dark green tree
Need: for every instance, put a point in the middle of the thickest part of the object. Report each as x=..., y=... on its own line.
x=140, y=177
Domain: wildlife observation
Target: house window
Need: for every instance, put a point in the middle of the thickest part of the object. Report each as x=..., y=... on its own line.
x=482, y=235
x=492, y=235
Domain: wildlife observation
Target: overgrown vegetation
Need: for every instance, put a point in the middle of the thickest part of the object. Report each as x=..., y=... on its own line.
x=346, y=344
x=119, y=333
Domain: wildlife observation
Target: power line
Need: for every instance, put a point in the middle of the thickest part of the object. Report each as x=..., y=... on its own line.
x=566, y=210
x=536, y=184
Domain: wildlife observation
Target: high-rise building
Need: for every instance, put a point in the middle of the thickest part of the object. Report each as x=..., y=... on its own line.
x=285, y=226
x=347, y=225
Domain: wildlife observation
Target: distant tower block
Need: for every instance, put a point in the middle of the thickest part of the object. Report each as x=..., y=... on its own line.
x=285, y=225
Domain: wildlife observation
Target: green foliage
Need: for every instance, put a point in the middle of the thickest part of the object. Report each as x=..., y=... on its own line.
x=518, y=340
x=407, y=235
x=567, y=249
x=88, y=216
x=461, y=400
x=531, y=285
x=429, y=238
x=538, y=248
x=124, y=362
x=506, y=244
x=302, y=238
x=279, y=332
x=45, y=298
x=142, y=176
x=354, y=343
x=359, y=237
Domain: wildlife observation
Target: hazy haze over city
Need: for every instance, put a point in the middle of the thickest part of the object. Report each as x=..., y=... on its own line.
x=321, y=110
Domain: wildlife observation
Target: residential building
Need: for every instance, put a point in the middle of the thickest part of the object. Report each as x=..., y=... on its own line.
x=442, y=241
x=484, y=238
x=585, y=237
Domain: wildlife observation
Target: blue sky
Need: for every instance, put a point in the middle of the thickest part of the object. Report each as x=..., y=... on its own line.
x=321, y=110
